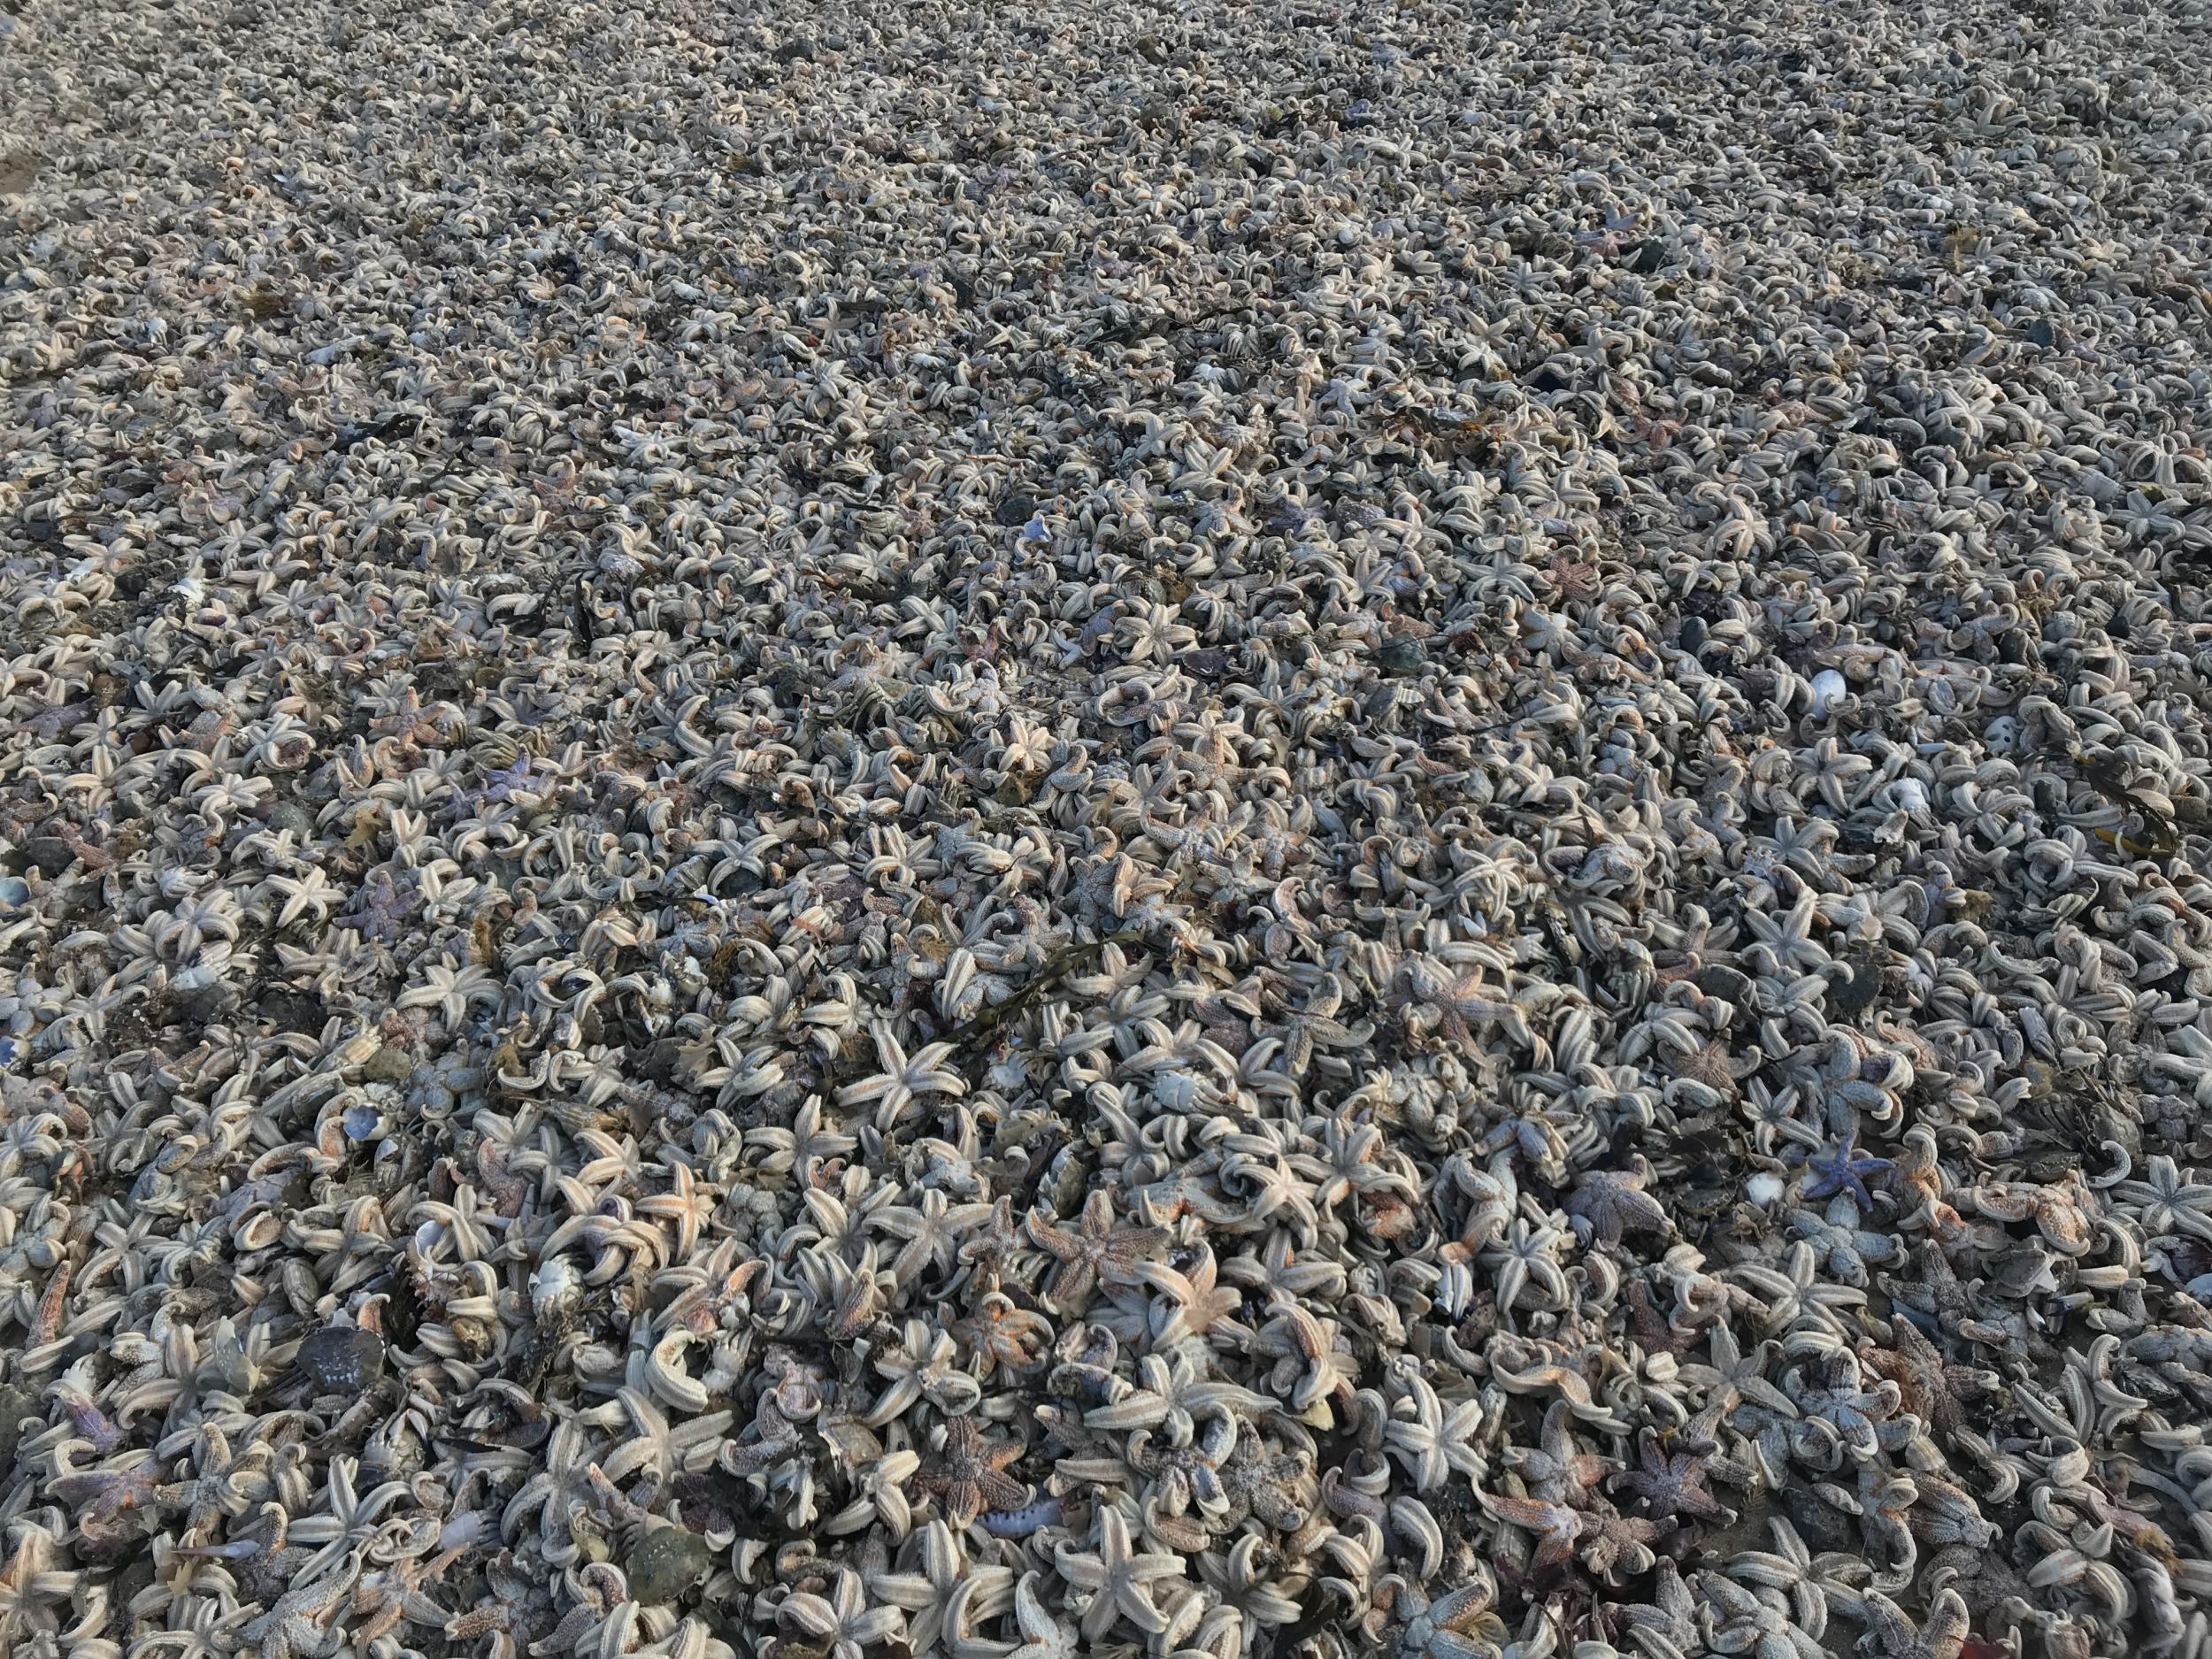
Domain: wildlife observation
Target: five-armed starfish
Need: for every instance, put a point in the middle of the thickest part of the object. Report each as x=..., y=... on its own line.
x=1843, y=1167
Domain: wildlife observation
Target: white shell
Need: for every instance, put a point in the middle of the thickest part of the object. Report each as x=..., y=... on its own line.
x=554, y=1288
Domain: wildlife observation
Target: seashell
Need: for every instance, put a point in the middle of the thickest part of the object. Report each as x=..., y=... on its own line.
x=666, y=1561
x=554, y=1288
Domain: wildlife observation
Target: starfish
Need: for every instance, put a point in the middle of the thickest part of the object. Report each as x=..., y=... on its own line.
x=1671, y=1482
x=1458, y=1625
x=1093, y=1251
x=1918, y=1182
x=227, y=1483
x=1844, y=1168
x=105, y=1495
x=1943, y=1299
x=1665, y=1627
x=1609, y=1202
x=970, y=1481
x=1257, y=1484
x=1043, y=1636
x=1559, y=1527
x=300, y=1621
x=1117, y=1579
x=1618, y=1548
x=28, y=1582
x=936, y=1589
x=1933, y=1388
x=1557, y=1470
x=1894, y=1636
x=396, y=1594
x=987, y=1248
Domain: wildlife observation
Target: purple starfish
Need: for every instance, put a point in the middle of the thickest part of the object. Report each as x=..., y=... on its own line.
x=1844, y=1168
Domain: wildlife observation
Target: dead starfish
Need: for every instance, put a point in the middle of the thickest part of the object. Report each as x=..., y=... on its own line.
x=968, y=1480
x=1095, y=1249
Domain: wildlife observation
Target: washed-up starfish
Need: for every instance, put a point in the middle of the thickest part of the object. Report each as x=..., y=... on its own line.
x=1843, y=1167
x=969, y=1479
x=1932, y=1388
x=300, y=1622
x=1117, y=1579
x=1558, y=1526
x=1044, y=1635
x=384, y=1599
x=1556, y=1470
x=1458, y=1625
x=1609, y=1202
x=1666, y=1626
x=1614, y=1546
x=105, y=1495
x=1891, y=1635
x=28, y=1583
x=1094, y=1249
x=1672, y=1481
x=935, y=1591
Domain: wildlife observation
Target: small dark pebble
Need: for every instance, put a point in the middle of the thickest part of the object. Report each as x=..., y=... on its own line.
x=1648, y=256
x=203, y=1004
x=2041, y=333
x=1727, y=984
x=801, y=51
x=660, y=1060
x=1851, y=993
x=1403, y=656
x=1692, y=635
x=1823, y=1526
x=51, y=852
x=293, y=1011
x=1016, y=510
x=342, y=1359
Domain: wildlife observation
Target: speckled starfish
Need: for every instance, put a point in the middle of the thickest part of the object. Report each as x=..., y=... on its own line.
x=968, y=1479
x=1094, y=1249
